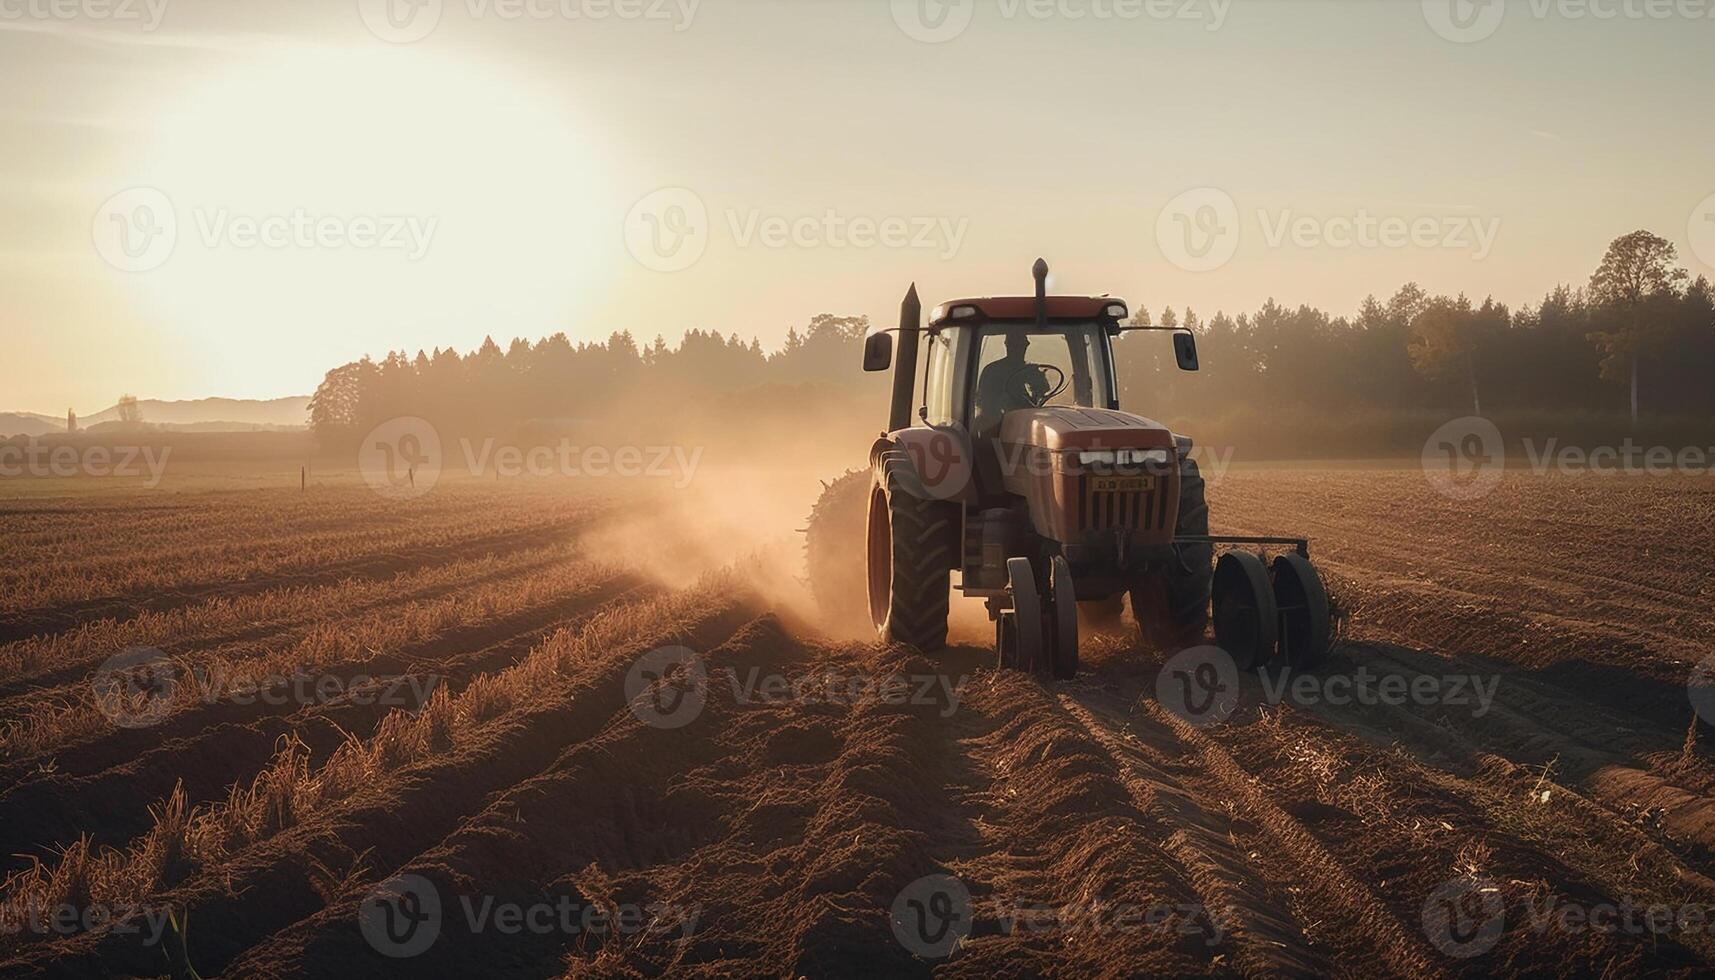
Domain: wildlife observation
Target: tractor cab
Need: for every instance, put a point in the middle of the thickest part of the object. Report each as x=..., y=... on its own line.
x=980, y=366
x=994, y=355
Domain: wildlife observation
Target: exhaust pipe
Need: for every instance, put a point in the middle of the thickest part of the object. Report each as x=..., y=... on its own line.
x=905, y=360
x=1040, y=271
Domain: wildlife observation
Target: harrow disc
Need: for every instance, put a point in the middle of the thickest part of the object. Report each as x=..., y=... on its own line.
x=1065, y=619
x=1026, y=647
x=1246, y=621
x=1303, y=604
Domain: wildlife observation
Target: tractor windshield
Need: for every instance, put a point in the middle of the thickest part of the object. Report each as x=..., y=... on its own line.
x=1021, y=366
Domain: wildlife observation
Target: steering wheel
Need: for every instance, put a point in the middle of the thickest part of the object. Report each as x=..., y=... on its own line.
x=1019, y=378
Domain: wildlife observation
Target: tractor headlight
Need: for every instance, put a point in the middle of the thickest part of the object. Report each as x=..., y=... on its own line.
x=1124, y=457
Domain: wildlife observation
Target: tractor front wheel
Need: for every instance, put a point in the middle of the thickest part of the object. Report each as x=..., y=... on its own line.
x=912, y=541
x=1172, y=608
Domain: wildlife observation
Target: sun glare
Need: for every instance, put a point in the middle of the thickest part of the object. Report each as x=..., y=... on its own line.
x=360, y=202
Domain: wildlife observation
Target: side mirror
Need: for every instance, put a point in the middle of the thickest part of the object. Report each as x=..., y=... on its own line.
x=878, y=351
x=1185, y=350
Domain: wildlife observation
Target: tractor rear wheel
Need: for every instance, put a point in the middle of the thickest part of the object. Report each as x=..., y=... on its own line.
x=1172, y=608
x=912, y=542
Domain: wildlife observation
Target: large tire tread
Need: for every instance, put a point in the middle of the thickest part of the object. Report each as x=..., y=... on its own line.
x=925, y=533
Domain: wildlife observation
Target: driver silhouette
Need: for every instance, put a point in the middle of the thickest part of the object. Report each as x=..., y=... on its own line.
x=1006, y=384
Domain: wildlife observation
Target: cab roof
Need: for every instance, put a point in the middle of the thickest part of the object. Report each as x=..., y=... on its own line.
x=1024, y=308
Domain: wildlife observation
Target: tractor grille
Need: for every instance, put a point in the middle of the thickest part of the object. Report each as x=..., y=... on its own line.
x=1136, y=511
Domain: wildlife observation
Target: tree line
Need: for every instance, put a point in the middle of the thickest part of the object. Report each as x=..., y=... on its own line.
x=1636, y=341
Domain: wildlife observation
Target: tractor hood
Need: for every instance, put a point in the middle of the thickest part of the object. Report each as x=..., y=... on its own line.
x=1060, y=429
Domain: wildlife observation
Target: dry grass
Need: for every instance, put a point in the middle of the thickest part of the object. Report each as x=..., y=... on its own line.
x=48, y=724
x=289, y=788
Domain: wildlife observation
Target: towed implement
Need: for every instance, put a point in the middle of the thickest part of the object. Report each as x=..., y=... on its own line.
x=1017, y=470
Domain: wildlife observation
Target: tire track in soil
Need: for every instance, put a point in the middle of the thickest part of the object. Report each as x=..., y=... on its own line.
x=1602, y=755
x=278, y=880
x=1214, y=849
x=1079, y=873
x=1418, y=828
x=106, y=805
x=1349, y=907
x=1615, y=857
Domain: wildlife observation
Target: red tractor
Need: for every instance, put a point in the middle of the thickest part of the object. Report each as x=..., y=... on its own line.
x=1018, y=471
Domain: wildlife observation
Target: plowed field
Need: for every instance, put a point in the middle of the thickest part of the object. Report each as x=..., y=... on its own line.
x=518, y=731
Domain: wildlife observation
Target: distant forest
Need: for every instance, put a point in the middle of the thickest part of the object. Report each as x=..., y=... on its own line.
x=1636, y=341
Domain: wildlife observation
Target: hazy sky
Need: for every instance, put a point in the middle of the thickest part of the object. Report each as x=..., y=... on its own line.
x=206, y=197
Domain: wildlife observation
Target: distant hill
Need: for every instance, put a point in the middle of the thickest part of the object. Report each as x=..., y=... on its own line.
x=29, y=424
x=202, y=414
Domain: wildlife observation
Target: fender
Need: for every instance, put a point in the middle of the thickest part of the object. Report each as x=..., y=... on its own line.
x=940, y=455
